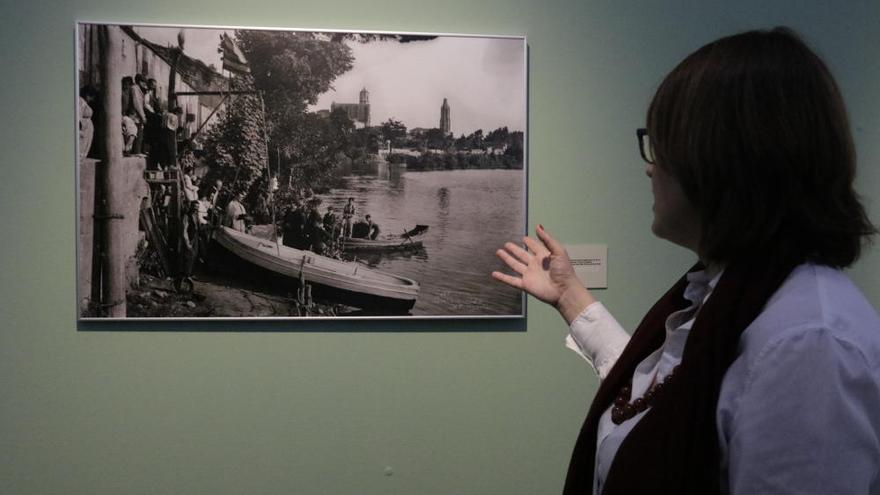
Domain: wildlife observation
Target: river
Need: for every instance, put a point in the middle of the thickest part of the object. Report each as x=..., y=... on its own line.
x=470, y=214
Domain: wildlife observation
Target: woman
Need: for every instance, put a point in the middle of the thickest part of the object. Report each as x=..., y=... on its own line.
x=86, y=127
x=759, y=371
x=190, y=189
x=236, y=214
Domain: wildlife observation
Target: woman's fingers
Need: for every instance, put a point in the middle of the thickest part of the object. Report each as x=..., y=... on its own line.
x=535, y=247
x=520, y=253
x=552, y=244
x=510, y=280
x=511, y=262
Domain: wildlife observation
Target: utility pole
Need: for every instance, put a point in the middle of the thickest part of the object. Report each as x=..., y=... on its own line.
x=112, y=179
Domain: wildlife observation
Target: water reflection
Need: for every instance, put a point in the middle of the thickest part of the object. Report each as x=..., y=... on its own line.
x=469, y=212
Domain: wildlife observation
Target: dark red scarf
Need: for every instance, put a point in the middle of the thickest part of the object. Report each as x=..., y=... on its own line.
x=674, y=447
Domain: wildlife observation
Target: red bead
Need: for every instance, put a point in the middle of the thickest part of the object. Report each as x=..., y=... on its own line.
x=623, y=409
x=640, y=404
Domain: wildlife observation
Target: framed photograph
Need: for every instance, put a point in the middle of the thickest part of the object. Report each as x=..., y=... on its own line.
x=252, y=173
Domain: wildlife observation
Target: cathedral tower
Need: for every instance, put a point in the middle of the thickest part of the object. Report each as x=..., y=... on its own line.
x=445, y=124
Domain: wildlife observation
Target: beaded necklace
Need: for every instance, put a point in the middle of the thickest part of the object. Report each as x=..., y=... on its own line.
x=623, y=409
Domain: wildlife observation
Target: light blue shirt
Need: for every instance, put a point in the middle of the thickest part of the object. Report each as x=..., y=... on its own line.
x=799, y=409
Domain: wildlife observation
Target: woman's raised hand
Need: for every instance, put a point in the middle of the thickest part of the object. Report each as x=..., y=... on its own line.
x=545, y=272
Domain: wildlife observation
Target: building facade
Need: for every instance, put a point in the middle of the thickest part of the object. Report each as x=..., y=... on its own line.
x=140, y=56
x=357, y=112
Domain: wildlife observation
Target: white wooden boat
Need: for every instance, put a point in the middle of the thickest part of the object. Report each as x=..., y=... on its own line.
x=348, y=282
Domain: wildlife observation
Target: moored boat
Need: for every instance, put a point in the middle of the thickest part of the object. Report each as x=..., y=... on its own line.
x=419, y=229
x=347, y=282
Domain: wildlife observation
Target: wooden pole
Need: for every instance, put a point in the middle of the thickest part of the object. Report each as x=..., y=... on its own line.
x=172, y=79
x=112, y=177
x=269, y=177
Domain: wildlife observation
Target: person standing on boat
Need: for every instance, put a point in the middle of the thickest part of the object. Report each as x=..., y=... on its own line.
x=292, y=227
x=236, y=214
x=348, y=212
x=315, y=228
x=330, y=224
x=372, y=228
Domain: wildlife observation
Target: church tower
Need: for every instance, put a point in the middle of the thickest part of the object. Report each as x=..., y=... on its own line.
x=364, y=107
x=445, y=124
x=357, y=112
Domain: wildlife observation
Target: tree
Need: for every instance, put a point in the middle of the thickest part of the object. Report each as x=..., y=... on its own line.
x=341, y=127
x=235, y=147
x=498, y=138
x=393, y=131
x=367, y=139
x=515, y=147
x=477, y=139
x=315, y=147
x=436, y=139
x=292, y=69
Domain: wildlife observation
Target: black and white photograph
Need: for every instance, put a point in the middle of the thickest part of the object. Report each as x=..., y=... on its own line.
x=260, y=173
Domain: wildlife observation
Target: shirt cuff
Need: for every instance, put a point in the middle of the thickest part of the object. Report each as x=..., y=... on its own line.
x=597, y=337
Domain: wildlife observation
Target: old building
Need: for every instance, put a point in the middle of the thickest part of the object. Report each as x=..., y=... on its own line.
x=357, y=112
x=153, y=61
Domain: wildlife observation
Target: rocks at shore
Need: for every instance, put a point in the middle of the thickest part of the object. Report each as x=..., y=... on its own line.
x=157, y=298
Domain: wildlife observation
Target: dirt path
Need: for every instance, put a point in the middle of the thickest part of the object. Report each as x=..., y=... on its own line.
x=157, y=298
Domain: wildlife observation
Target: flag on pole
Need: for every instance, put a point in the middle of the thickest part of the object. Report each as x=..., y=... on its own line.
x=233, y=59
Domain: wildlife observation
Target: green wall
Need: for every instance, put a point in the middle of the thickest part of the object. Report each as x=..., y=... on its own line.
x=432, y=407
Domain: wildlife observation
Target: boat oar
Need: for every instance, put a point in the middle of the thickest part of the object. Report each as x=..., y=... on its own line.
x=406, y=237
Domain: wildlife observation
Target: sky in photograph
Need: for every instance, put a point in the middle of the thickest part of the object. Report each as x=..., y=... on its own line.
x=201, y=43
x=482, y=78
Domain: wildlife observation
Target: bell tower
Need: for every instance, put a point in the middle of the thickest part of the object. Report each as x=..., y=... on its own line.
x=445, y=123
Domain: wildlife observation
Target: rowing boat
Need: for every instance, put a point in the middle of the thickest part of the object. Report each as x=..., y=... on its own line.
x=347, y=282
x=418, y=230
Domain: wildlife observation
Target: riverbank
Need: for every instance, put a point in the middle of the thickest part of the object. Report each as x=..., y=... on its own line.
x=456, y=160
x=156, y=298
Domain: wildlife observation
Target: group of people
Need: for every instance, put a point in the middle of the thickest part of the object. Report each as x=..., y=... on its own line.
x=149, y=127
x=303, y=226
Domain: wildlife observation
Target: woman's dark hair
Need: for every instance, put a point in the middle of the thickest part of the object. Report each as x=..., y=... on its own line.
x=754, y=128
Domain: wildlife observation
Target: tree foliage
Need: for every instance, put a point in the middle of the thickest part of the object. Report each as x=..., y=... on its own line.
x=317, y=147
x=235, y=147
x=292, y=69
x=393, y=131
x=498, y=138
x=437, y=139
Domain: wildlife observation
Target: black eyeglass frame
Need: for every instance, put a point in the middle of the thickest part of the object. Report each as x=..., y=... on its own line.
x=642, y=136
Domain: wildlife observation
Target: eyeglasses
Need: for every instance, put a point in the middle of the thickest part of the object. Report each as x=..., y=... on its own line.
x=645, y=148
